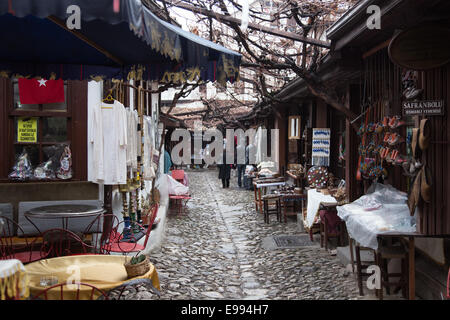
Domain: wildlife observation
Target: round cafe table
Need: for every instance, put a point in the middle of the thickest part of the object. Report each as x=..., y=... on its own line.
x=63, y=212
x=104, y=272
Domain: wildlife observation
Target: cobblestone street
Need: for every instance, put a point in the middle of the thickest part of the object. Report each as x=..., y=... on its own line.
x=214, y=251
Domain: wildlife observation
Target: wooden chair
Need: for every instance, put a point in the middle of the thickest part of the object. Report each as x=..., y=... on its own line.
x=15, y=245
x=385, y=253
x=331, y=226
x=112, y=237
x=293, y=202
x=61, y=286
x=275, y=202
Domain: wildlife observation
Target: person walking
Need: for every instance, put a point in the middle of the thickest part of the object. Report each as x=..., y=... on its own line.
x=240, y=161
x=167, y=161
x=225, y=171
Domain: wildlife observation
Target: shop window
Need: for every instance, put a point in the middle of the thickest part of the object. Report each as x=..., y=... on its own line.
x=294, y=127
x=42, y=131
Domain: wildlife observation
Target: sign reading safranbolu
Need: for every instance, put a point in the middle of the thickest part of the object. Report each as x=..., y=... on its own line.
x=27, y=130
x=424, y=107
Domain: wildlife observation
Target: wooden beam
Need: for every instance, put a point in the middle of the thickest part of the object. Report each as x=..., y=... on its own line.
x=254, y=26
x=377, y=48
x=80, y=36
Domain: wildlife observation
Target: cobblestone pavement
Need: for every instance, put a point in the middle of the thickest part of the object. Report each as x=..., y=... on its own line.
x=214, y=251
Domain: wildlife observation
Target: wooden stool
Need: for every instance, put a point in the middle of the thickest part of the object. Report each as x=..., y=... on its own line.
x=360, y=267
x=267, y=199
x=386, y=253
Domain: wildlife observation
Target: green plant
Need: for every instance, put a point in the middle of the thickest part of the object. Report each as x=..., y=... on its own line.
x=137, y=259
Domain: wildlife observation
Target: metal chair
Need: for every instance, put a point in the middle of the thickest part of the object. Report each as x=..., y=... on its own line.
x=114, y=237
x=15, y=245
x=179, y=175
x=61, y=242
x=77, y=296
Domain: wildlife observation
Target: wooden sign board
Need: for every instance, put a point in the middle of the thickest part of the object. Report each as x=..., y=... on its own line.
x=423, y=108
x=421, y=48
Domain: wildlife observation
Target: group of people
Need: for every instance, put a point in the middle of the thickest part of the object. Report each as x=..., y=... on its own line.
x=225, y=168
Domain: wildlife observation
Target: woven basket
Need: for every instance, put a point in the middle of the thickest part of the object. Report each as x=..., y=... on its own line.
x=136, y=270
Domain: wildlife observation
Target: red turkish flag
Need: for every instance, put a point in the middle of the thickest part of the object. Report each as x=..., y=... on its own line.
x=32, y=91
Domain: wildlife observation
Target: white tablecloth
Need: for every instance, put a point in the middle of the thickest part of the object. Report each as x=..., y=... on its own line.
x=382, y=210
x=272, y=184
x=11, y=271
x=315, y=198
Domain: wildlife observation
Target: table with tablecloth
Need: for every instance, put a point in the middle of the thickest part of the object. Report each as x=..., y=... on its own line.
x=264, y=184
x=13, y=280
x=315, y=199
x=104, y=272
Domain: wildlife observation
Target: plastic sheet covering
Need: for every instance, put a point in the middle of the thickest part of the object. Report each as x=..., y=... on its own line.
x=382, y=210
x=176, y=188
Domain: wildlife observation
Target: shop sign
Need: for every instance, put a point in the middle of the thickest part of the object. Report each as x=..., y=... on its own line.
x=424, y=107
x=421, y=48
x=27, y=130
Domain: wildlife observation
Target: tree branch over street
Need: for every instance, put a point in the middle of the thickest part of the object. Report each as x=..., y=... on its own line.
x=282, y=42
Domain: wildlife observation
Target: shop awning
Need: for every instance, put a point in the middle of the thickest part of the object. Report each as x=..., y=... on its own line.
x=36, y=41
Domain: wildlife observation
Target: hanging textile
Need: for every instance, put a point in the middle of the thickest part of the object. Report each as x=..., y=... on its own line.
x=133, y=139
x=108, y=136
x=148, y=168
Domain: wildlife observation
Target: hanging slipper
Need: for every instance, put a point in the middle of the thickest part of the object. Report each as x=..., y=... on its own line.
x=394, y=155
x=394, y=121
x=385, y=122
x=426, y=183
x=400, y=160
x=414, y=196
x=387, y=136
x=425, y=134
x=396, y=139
x=361, y=130
x=389, y=156
x=398, y=124
x=379, y=127
x=413, y=93
x=415, y=143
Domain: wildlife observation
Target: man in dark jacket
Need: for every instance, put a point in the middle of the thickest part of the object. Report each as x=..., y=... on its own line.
x=225, y=171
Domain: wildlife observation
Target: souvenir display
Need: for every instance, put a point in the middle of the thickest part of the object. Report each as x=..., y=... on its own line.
x=22, y=169
x=45, y=171
x=317, y=177
x=65, y=170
